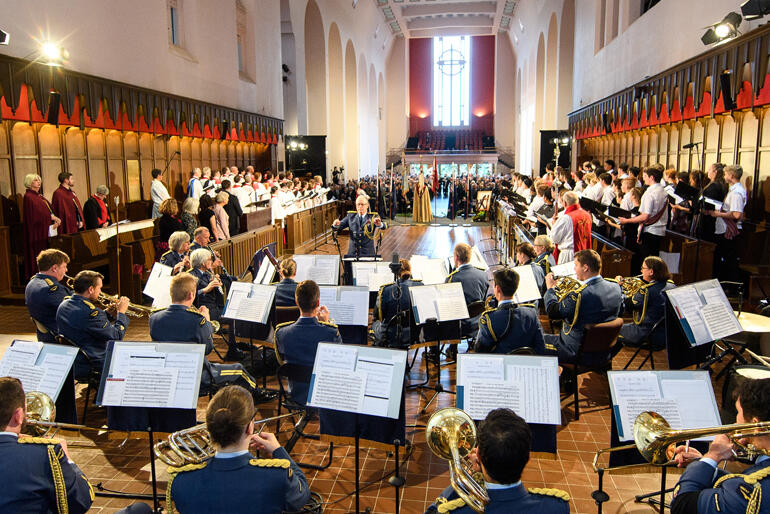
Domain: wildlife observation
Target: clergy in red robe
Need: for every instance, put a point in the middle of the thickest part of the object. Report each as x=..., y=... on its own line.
x=38, y=217
x=572, y=230
x=67, y=206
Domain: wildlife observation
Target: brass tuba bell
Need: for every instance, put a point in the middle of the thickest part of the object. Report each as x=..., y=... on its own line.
x=451, y=435
x=40, y=407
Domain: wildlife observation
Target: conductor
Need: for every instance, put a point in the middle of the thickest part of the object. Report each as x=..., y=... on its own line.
x=362, y=225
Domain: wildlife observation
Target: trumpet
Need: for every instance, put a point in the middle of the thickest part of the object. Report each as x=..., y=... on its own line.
x=107, y=301
x=451, y=435
x=193, y=445
x=655, y=439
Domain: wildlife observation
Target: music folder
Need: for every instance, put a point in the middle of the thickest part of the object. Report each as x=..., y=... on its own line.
x=703, y=312
x=444, y=302
x=39, y=366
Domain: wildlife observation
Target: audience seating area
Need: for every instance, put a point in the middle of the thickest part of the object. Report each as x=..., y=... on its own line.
x=460, y=140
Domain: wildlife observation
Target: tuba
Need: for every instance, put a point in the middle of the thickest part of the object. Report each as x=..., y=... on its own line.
x=41, y=411
x=451, y=435
x=565, y=286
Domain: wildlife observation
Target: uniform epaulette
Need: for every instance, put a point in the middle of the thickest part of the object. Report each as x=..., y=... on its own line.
x=168, y=252
x=188, y=467
x=327, y=323
x=270, y=463
x=48, y=281
x=528, y=305
x=37, y=440
x=556, y=493
x=487, y=311
x=479, y=267
x=68, y=297
x=580, y=289
x=449, y=506
x=194, y=311
x=352, y=212
x=669, y=281
x=90, y=305
x=611, y=280
x=284, y=324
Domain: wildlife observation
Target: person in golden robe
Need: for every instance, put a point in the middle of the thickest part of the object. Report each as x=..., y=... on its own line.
x=422, y=212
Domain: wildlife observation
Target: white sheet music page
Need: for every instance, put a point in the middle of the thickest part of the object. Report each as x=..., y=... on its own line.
x=249, y=302
x=338, y=389
x=20, y=352
x=379, y=378
x=159, y=280
x=187, y=366
x=687, y=305
x=424, y=302
x=57, y=367
x=527, y=290
x=564, y=270
x=539, y=391
x=450, y=302
x=482, y=396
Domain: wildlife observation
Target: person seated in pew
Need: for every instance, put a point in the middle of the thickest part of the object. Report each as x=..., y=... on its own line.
x=297, y=341
x=704, y=488
x=525, y=254
x=88, y=326
x=596, y=300
x=233, y=480
x=387, y=306
x=178, y=255
x=504, y=442
x=285, y=289
x=182, y=323
x=509, y=326
x=544, y=246
x=38, y=474
x=648, y=306
x=45, y=292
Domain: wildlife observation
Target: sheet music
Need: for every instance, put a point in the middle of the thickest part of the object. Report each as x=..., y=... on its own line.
x=29, y=374
x=477, y=258
x=527, y=385
x=379, y=378
x=451, y=307
x=336, y=356
x=527, y=290
x=564, y=270
x=371, y=274
x=40, y=367
x=704, y=312
x=445, y=302
x=687, y=305
x=20, y=352
x=671, y=260
x=430, y=271
x=348, y=305
x=249, y=302
x=149, y=387
x=188, y=367
x=322, y=269
x=684, y=398
x=57, y=366
x=265, y=273
x=158, y=286
x=339, y=390
x=423, y=302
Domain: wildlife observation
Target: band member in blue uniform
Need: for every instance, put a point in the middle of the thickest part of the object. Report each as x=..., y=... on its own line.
x=181, y=322
x=509, y=326
x=178, y=255
x=88, y=326
x=45, y=292
x=648, y=306
x=233, y=480
x=504, y=441
x=474, y=281
x=296, y=342
x=596, y=301
x=284, y=290
x=525, y=254
x=362, y=225
x=37, y=473
x=544, y=248
x=387, y=306
x=704, y=488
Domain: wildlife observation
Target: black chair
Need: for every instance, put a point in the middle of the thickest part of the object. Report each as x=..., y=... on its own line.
x=41, y=329
x=297, y=373
x=598, y=339
x=94, y=377
x=658, y=329
x=286, y=314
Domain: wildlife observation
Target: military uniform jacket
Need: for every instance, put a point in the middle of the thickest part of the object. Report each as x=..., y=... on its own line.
x=89, y=328
x=387, y=306
x=171, y=258
x=284, y=293
x=359, y=239
x=650, y=307
x=181, y=324
x=545, y=261
x=195, y=246
x=297, y=342
x=43, y=296
x=509, y=327
x=719, y=492
x=506, y=501
x=474, y=281
x=213, y=300
x=29, y=472
x=239, y=484
x=597, y=301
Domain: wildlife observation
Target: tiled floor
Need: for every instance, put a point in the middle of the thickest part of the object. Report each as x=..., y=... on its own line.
x=126, y=467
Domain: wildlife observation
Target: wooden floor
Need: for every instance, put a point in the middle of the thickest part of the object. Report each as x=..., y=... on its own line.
x=126, y=468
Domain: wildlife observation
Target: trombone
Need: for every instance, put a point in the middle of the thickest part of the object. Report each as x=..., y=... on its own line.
x=193, y=445
x=40, y=419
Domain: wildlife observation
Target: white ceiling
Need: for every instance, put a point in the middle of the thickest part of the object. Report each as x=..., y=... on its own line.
x=428, y=18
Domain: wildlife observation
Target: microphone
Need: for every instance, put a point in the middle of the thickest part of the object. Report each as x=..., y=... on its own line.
x=690, y=145
x=395, y=264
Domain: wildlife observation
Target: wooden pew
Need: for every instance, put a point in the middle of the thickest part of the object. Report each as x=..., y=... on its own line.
x=616, y=259
x=692, y=255
x=309, y=226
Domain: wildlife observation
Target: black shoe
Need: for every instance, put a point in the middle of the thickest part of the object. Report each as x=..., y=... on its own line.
x=263, y=395
x=451, y=352
x=234, y=354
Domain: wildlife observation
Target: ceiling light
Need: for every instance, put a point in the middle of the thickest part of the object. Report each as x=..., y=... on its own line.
x=725, y=29
x=752, y=9
x=50, y=51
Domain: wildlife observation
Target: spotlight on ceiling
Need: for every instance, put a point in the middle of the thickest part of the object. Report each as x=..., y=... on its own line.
x=53, y=54
x=752, y=9
x=5, y=37
x=724, y=30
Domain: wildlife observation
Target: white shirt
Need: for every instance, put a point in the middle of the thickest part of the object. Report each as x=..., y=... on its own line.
x=230, y=455
x=158, y=193
x=537, y=202
x=246, y=196
x=562, y=236
x=608, y=194
x=626, y=202
x=653, y=201
x=735, y=201
x=197, y=188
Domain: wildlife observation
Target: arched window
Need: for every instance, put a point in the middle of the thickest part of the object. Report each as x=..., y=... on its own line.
x=451, y=81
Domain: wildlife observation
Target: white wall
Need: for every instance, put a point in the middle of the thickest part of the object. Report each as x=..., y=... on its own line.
x=397, y=98
x=129, y=42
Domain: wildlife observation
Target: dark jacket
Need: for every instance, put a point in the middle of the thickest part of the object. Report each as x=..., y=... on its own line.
x=234, y=211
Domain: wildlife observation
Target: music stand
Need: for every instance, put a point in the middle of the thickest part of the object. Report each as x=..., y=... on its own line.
x=154, y=383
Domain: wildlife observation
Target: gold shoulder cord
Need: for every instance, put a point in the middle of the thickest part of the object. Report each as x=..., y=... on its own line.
x=58, y=481
x=575, y=317
x=639, y=320
x=755, y=500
